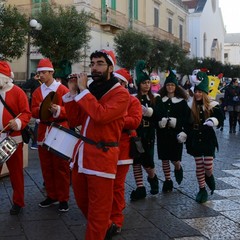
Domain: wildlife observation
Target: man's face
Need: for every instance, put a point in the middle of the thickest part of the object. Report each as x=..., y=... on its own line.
x=100, y=67
x=46, y=77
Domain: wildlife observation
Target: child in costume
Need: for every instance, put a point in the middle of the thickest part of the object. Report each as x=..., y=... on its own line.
x=152, y=108
x=201, y=141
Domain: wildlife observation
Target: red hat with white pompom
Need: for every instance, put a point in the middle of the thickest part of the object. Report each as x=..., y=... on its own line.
x=5, y=70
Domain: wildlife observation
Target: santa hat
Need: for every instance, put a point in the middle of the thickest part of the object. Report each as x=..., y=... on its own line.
x=171, y=78
x=110, y=55
x=141, y=72
x=202, y=84
x=124, y=75
x=5, y=70
x=45, y=65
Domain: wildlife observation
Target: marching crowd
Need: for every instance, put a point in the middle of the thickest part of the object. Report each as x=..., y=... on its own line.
x=116, y=129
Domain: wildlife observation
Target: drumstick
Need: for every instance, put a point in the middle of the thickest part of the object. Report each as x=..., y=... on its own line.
x=8, y=123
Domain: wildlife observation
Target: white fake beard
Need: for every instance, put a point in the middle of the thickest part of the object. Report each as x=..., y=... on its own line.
x=5, y=82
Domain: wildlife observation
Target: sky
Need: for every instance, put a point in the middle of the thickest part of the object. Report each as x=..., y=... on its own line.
x=230, y=12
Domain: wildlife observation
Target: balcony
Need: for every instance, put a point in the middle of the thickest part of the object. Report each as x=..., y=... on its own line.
x=112, y=21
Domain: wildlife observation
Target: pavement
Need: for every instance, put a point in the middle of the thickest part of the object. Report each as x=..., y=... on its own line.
x=174, y=215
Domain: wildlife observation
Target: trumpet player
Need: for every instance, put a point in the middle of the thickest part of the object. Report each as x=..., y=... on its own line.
x=100, y=109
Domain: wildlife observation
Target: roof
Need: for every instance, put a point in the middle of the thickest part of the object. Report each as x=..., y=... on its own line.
x=198, y=5
x=232, y=38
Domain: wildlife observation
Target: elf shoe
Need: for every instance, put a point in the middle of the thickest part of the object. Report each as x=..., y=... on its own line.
x=167, y=186
x=138, y=194
x=202, y=195
x=154, y=185
x=178, y=175
x=210, y=181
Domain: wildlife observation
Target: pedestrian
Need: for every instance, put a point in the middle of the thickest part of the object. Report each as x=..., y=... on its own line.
x=33, y=83
x=222, y=106
x=202, y=141
x=232, y=104
x=14, y=99
x=171, y=133
x=55, y=170
x=152, y=107
x=132, y=121
x=100, y=108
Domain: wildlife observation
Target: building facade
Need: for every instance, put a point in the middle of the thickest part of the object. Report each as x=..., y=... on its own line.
x=232, y=49
x=161, y=19
x=206, y=29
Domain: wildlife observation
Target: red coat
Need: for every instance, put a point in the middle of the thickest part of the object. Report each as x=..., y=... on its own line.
x=17, y=100
x=132, y=121
x=101, y=120
x=37, y=99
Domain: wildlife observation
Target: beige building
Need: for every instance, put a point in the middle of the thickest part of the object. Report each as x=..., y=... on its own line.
x=161, y=19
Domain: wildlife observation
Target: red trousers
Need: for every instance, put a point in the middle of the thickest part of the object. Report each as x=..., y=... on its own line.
x=56, y=174
x=94, y=197
x=15, y=168
x=118, y=195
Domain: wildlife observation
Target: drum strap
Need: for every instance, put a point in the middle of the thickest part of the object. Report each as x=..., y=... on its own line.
x=104, y=145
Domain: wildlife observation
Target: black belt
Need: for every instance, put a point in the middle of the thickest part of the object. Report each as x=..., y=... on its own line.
x=48, y=123
x=104, y=145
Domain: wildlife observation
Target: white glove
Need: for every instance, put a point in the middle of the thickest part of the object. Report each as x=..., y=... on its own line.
x=172, y=122
x=147, y=111
x=182, y=137
x=163, y=122
x=209, y=123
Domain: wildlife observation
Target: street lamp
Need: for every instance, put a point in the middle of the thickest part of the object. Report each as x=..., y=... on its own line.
x=35, y=25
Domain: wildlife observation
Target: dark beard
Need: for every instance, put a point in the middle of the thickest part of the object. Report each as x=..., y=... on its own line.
x=99, y=88
x=100, y=78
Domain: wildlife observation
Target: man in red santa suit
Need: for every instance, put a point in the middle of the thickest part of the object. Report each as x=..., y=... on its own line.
x=55, y=170
x=132, y=121
x=100, y=109
x=17, y=101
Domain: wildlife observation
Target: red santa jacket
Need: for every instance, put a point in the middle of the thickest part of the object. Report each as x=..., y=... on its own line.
x=132, y=121
x=102, y=121
x=17, y=100
x=38, y=96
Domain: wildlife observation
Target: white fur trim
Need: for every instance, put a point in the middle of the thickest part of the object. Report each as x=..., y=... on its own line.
x=174, y=99
x=120, y=77
x=214, y=120
x=45, y=69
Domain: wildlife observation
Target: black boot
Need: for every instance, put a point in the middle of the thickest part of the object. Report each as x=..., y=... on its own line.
x=178, y=175
x=167, y=186
x=210, y=181
x=139, y=193
x=154, y=185
x=202, y=195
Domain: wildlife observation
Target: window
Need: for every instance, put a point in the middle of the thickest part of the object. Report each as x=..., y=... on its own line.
x=156, y=17
x=181, y=33
x=169, y=25
x=133, y=9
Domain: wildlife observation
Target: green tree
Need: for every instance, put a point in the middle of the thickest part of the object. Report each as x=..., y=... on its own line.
x=131, y=46
x=65, y=33
x=13, y=32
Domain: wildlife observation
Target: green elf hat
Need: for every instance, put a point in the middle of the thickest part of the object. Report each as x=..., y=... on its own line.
x=141, y=72
x=171, y=78
x=202, y=84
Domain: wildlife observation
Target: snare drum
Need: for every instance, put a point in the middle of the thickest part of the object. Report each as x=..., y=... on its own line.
x=61, y=141
x=7, y=147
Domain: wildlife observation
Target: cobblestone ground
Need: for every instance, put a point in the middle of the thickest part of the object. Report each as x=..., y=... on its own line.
x=174, y=215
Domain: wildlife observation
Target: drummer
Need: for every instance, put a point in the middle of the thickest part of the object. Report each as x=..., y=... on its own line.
x=16, y=99
x=47, y=106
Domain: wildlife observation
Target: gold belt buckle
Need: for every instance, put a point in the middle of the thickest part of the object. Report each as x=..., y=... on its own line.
x=146, y=123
